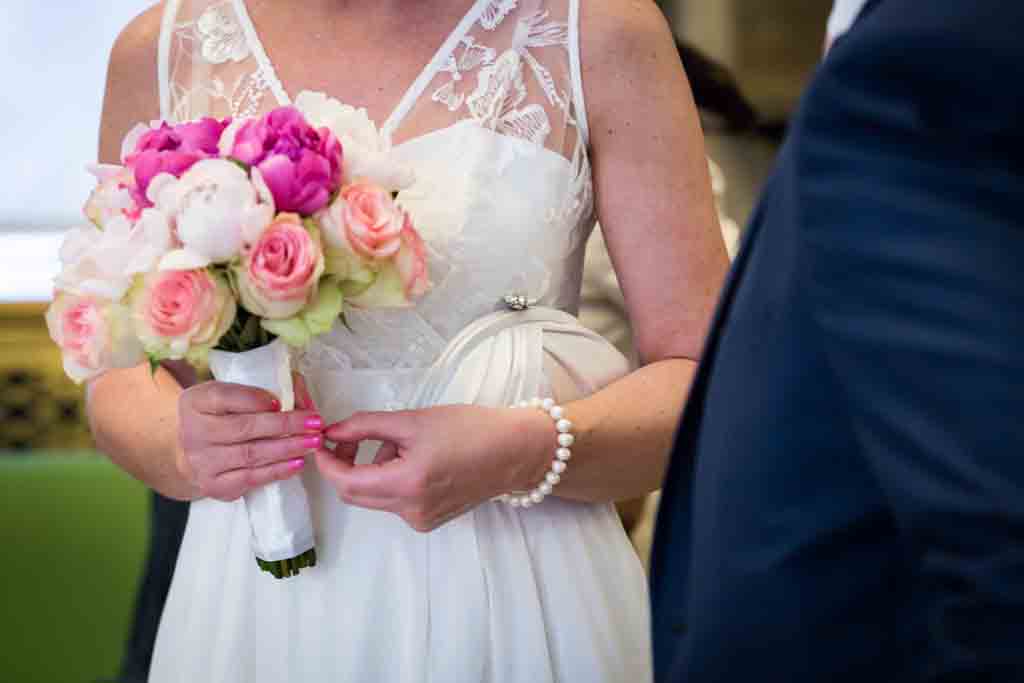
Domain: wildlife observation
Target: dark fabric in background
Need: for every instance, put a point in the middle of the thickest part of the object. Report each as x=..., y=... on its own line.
x=846, y=496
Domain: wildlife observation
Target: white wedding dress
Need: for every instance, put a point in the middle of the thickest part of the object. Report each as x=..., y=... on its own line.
x=495, y=129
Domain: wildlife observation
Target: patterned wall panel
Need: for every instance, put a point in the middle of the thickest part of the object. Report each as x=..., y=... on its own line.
x=39, y=407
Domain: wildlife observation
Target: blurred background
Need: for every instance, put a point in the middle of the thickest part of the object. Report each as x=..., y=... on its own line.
x=75, y=531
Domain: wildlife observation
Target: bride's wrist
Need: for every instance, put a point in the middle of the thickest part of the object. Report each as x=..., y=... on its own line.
x=536, y=441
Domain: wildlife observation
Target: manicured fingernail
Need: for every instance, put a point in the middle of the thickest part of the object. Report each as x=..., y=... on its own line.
x=312, y=442
x=275, y=405
x=315, y=423
x=297, y=463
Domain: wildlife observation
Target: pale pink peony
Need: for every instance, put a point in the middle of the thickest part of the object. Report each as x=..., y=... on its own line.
x=278, y=275
x=113, y=196
x=104, y=262
x=182, y=313
x=93, y=334
x=216, y=210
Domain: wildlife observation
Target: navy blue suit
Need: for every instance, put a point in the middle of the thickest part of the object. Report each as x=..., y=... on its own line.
x=846, y=495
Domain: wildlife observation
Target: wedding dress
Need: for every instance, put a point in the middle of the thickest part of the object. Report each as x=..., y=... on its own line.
x=495, y=130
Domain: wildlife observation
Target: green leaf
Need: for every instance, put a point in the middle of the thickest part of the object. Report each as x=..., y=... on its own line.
x=292, y=330
x=326, y=308
x=386, y=291
x=315, y=319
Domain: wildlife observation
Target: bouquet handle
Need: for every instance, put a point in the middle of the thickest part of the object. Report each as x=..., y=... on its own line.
x=279, y=514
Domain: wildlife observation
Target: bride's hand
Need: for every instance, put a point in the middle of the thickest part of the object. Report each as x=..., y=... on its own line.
x=437, y=463
x=234, y=438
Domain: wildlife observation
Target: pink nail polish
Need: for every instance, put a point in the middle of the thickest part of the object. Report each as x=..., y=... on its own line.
x=297, y=463
x=314, y=423
x=312, y=441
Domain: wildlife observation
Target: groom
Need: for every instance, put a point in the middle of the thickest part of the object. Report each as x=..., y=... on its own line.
x=846, y=497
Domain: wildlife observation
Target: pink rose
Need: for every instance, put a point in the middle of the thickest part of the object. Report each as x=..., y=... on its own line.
x=366, y=219
x=398, y=280
x=93, y=334
x=182, y=313
x=300, y=164
x=411, y=261
x=167, y=149
x=279, y=273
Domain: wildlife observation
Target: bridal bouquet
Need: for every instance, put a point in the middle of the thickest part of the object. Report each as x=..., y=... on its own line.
x=229, y=242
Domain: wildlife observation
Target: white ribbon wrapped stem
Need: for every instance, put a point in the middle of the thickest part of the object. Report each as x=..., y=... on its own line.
x=279, y=516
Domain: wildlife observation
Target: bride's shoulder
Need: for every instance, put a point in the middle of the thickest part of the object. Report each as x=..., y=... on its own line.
x=621, y=38
x=140, y=36
x=620, y=26
x=132, y=93
x=626, y=52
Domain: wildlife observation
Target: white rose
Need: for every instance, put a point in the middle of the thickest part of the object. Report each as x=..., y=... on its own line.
x=367, y=151
x=216, y=210
x=103, y=262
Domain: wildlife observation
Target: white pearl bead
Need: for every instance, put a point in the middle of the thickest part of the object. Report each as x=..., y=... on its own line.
x=558, y=467
x=546, y=488
x=566, y=440
x=537, y=497
x=563, y=454
x=557, y=412
x=535, y=402
x=514, y=502
x=547, y=404
x=563, y=426
x=553, y=478
x=526, y=502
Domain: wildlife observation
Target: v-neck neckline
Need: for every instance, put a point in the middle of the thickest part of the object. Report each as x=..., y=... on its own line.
x=411, y=94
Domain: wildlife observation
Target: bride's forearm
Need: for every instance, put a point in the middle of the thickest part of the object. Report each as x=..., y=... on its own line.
x=134, y=419
x=624, y=433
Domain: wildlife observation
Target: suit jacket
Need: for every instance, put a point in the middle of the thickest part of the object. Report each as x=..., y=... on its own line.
x=846, y=496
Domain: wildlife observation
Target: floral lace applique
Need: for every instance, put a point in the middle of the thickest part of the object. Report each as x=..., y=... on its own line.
x=472, y=55
x=495, y=102
x=216, y=37
x=495, y=13
x=501, y=89
x=221, y=36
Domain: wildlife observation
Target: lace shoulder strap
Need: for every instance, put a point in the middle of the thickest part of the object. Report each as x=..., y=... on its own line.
x=514, y=70
x=209, y=63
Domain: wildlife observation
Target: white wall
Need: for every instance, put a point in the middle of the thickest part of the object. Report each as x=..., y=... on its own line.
x=53, y=57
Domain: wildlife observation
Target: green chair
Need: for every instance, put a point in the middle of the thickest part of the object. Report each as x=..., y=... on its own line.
x=73, y=535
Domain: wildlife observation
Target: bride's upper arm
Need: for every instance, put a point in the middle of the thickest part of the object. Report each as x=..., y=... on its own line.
x=653, y=192
x=132, y=95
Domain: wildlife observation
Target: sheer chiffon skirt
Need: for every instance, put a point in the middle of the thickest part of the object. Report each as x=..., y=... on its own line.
x=500, y=594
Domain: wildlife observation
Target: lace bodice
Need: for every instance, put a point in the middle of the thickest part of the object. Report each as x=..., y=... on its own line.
x=495, y=129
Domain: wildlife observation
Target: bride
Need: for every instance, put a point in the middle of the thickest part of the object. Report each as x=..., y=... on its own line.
x=524, y=121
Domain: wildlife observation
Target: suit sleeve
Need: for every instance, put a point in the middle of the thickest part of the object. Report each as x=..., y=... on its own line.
x=912, y=197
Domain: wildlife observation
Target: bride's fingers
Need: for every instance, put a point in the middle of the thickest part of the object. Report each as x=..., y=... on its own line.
x=345, y=477
x=345, y=451
x=386, y=453
x=396, y=427
x=233, y=484
x=303, y=399
x=264, y=452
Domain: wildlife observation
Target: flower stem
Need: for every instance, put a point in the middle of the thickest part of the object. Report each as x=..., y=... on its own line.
x=283, y=569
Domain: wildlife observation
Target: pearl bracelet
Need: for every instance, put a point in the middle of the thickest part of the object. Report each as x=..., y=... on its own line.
x=560, y=462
